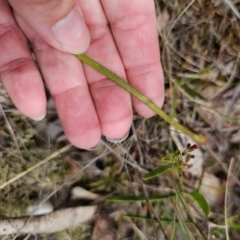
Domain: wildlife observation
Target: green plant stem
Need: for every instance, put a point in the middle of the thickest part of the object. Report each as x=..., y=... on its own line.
x=140, y=96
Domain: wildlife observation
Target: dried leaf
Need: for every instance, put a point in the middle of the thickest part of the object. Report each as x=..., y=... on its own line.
x=50, y=223
x=81, y=193
x=103, y=228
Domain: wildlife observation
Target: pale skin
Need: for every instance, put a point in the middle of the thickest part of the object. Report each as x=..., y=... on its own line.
x=119, y=34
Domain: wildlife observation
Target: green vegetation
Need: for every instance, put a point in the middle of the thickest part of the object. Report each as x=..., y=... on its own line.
x=142, y=182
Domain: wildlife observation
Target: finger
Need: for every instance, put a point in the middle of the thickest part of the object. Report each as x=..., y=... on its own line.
x=113, y=104
x=135, y=33
x=58, y=22
x=65, y=79
x=17, y=68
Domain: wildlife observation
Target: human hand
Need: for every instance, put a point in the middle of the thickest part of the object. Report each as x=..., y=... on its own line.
x=122, y=37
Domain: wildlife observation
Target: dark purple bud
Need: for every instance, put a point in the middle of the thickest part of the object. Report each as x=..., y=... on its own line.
x=189, y=166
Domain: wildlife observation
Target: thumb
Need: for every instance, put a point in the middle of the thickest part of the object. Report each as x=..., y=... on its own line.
x=59, y=23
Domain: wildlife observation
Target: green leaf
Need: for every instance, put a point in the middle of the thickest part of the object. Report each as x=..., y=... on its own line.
x=185, y=85
x=232, y=219
x=157, y=171
x=235, y=226
x=192, y=92
x=130, y=198
x=100, y=68
x=201, y=202
x=165, y=220
x=204, y=70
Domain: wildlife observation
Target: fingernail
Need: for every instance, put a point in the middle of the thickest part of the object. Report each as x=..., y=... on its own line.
x=39, y=118
x=72, y=33
x=118, y=140
x=94, y=147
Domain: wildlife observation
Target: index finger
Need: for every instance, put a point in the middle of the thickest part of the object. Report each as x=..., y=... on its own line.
x=133, y=25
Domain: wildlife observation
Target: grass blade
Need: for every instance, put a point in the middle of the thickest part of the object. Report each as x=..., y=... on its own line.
x=157, y=172
x=130, y=198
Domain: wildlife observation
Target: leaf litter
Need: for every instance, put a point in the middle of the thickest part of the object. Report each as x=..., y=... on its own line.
x=199, y=43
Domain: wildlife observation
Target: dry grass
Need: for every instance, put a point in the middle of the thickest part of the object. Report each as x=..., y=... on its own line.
x=200, y=49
